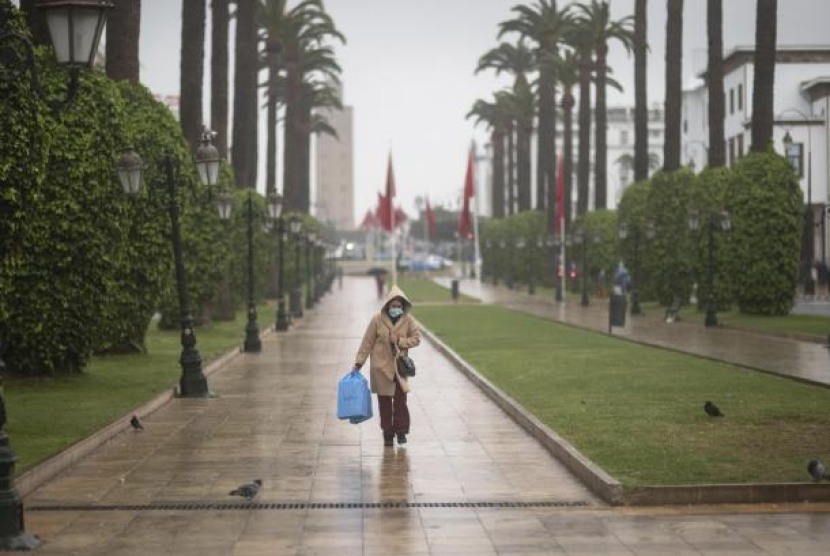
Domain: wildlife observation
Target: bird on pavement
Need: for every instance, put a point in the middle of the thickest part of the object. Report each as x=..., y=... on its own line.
x=817, y=470
x=136, y=424
x=712, y=410
x=248, y=491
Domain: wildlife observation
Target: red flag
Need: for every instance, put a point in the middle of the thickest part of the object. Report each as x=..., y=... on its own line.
x=380, y=211
x=400, y=217
x=388, y=200
x=464, y=221
x=560, y=197
x=430, y=220
x=370, y=221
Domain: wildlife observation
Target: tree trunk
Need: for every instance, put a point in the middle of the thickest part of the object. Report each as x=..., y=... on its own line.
x=641, y=165
x=674, y=85
x=601, y=151
x=192, y=70
x=271, y=157
x=546, y=143
x=716, y=156
x=291, y=175
x=511, y=169
x=763, y=88
x=304, y=159
x=497, y=140
x=219, y=74
x=584, y=162
x=123, y=29
x=523, y=165
x=245, y=108
x=568, y=103
x=37, y=22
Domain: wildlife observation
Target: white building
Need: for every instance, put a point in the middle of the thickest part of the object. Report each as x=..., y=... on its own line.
x=334, y=162
x=801, y=107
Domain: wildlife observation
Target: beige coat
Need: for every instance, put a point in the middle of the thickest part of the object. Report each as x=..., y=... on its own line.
x=376, y=344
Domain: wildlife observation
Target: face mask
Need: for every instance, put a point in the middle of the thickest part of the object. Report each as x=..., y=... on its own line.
x=395, y=312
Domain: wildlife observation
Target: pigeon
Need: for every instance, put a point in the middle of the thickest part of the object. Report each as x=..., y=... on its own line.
x=712, y=410
x=817, y=470
x=136, y=424
x=249, y=491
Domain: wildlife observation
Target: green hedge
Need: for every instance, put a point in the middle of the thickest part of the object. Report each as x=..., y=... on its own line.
x=767, y=208
x=633, y=212
x=601, y=257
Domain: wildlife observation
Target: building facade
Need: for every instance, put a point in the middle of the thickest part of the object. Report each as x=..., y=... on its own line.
x=802, y=105
x=334, y=171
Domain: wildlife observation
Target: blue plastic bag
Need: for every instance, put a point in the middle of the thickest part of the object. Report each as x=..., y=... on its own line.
x=354, y=401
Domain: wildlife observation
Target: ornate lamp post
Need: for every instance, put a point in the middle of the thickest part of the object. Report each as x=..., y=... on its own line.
x=193, y=383
x=318, y=269
x=580, y=238
x=75, y=27
x=276, y=223
x=252, y=342
x=725, y=222
x=297, y=292
x=310, y=239
x=554, y=242
x=636, y=235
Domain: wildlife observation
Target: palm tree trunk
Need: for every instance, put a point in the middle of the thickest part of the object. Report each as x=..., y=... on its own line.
x=763, y=88
x=291, y=175
x=523, y=165
x=641, y=166
x=304, y=159
x=37, y=22
x=123, y=28
x=497, y=140
x=601, y=152
x=568, y=103
x=674, y=85
x=714, y=79
x=271, y=149
x=219, y=74
x=584, y=163
x=511, y=169
x=192, y=70
x=245, y=95
x=546, y=143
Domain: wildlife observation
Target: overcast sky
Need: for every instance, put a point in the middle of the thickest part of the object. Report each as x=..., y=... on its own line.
x=408, y=73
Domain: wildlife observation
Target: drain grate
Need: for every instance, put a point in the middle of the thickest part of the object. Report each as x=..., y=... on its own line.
x=217, y=505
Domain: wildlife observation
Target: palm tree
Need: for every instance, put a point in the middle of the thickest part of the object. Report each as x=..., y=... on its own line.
x=123, y=29
x=244, y=145
x=674, y=85
x=640, y=90
x=595, y=19
x=493, y=116
x=714, y=81
x=518, y=60
x=766, y=27
x=546, y=26
x=567, y=74
x=219, y=74
x=300, y=42
x=192, y=70
x=579, y=39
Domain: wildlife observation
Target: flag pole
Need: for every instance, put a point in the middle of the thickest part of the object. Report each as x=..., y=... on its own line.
x=477, y=244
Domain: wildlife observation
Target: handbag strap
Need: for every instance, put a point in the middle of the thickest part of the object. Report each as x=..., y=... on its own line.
x=397, y=349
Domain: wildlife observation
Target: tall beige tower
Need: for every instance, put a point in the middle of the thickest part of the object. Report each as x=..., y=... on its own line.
x=334, y=200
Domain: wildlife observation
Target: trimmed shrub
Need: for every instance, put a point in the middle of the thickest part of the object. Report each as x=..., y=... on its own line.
x=767, y=208
x=601, y=257
x=633, y=212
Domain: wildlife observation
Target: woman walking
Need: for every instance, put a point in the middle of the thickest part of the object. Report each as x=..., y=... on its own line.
x=391, y=332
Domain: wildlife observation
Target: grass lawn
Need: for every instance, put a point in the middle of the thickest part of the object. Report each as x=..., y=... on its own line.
x=810, y=325
x=48, y=414
x=637, y=411
x=422, y=290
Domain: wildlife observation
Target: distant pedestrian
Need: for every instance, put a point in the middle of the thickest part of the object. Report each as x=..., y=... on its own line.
x=390, y=332
x=622, y=279
x=380, y=283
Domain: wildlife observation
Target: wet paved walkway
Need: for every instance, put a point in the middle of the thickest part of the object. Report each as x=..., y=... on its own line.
x=804, y=360
x=275, y=421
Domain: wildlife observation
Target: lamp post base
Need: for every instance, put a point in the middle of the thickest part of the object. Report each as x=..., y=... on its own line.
x=12, y=530
x=193, y=383
x=711, y=318
x=635, y=304
x=282, y=316
x=296, y=303
x=584, y=302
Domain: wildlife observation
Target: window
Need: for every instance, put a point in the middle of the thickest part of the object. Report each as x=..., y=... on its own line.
x=740, y=97
x=731, y=154
x=740, y=145
x=795, y=154
x=623, y=137
x=731, y=101
x=654, y=133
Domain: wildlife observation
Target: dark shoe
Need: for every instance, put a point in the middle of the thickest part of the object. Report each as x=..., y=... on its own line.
x=401, y=438
x=389, y=440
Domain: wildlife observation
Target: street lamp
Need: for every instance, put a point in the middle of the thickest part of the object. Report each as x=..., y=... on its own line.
x=581, y=238
x=635, y=234
x=193, y=383
x=252, y=342
x=502, y=245
x=310, y=238
x=75, y=27
x=296, y=306
x=277, y=224
x=724, y=220
x=554, y=242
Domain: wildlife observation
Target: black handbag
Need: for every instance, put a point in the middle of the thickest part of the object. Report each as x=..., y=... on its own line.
x=406, y=366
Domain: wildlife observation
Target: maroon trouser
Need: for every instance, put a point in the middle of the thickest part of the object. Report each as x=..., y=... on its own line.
x=394, y=415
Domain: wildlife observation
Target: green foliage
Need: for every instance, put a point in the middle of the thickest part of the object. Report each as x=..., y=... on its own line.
x=671, y=254
x=767, y=209
x=708, y=197
x=602, y=255
x=633, y=212
x=501, y=241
